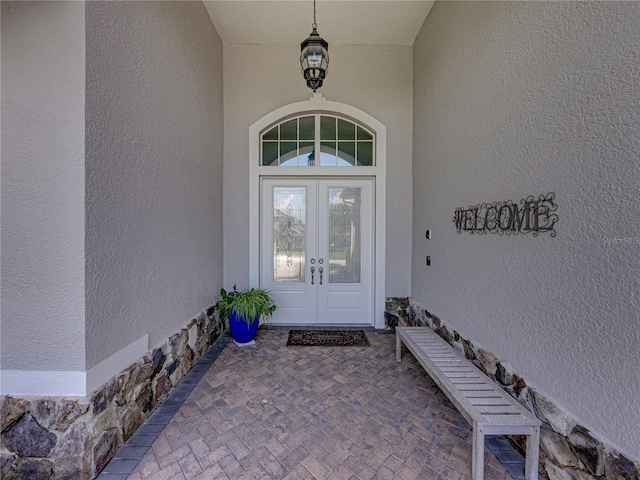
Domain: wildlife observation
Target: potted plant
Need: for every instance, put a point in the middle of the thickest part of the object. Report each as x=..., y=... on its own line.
x=245, y=309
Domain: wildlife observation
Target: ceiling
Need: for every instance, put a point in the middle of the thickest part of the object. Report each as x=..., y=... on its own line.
x=287, y=22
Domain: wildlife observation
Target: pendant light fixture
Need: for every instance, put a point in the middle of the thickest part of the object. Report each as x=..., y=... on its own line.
x=314, y=56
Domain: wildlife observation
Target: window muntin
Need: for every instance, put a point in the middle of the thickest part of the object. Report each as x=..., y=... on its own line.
x=294, y=143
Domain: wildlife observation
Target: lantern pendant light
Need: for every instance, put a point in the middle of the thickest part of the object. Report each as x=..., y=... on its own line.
x=314, y=57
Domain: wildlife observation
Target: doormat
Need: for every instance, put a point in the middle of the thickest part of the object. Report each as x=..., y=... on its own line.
x=325, y=338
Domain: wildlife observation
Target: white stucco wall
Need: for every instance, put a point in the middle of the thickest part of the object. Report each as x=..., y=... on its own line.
x=154, y=170
x=259, y=79
x=515, y=99
x=42, y=237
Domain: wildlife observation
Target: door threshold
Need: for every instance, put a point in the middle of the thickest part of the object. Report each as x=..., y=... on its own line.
x=336, y=328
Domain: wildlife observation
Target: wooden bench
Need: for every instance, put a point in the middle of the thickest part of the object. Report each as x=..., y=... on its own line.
x=487, y=407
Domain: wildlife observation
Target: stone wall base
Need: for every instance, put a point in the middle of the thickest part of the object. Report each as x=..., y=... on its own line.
x=46, y=438
x=568, y=451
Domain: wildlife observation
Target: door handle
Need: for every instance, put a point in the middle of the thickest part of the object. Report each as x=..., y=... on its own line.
x=320, y=270
x=313, y=269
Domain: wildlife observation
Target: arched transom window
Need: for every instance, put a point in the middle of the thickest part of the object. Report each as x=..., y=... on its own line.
x=296, y=142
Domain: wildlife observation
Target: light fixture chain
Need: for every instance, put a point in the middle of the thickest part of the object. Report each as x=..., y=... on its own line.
x=314, y=15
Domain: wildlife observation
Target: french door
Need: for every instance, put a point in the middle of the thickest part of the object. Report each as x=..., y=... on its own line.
x=317, y=249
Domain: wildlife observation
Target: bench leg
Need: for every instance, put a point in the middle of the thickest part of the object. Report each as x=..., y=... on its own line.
x=477, y=458
x=533, y=444
x=398, y=348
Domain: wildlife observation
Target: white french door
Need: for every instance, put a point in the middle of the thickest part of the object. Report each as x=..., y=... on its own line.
x=316, y=254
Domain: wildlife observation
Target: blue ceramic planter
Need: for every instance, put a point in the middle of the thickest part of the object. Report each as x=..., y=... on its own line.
x=240, y=330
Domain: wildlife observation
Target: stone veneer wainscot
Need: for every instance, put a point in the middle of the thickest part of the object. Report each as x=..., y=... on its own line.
x=74, y=437
x=568, y=451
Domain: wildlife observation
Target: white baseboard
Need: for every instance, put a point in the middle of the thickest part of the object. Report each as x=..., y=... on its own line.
x=102, y=372
x=19, y=382
x=71, y=384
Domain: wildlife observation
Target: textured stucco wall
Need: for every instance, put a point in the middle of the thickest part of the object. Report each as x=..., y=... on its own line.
x=375, y=80
x=513, y=99
x=43, y=304
x=154, y=170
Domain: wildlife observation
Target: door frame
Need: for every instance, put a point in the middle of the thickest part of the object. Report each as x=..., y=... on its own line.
x=318, y=104
x=316, y=201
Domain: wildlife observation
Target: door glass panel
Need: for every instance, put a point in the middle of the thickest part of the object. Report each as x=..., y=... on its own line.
x=307, y=155
x=346, y=130
x=346, y=154
x=271, y=134
x=289, y=130
x=364, y=135
x=327, y=128
x=345, y=234
x=328, y=154
x=307, y=128
x=289, y=154
x=270, y=153
x=365, y=154
x=289, y=234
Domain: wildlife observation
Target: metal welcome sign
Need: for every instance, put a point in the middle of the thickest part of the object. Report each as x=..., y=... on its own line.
x=531, y=215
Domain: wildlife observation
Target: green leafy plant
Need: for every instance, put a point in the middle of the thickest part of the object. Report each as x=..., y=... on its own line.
x=247, y=304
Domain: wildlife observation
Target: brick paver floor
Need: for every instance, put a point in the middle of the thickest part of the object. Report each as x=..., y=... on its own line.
x=273, y=411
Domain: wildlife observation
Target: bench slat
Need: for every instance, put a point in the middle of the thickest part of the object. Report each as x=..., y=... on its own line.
x=496, y=410
x=493, y=401
x=475, y=388
x=468, y=381
x=480, y=394
x=511, y=421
